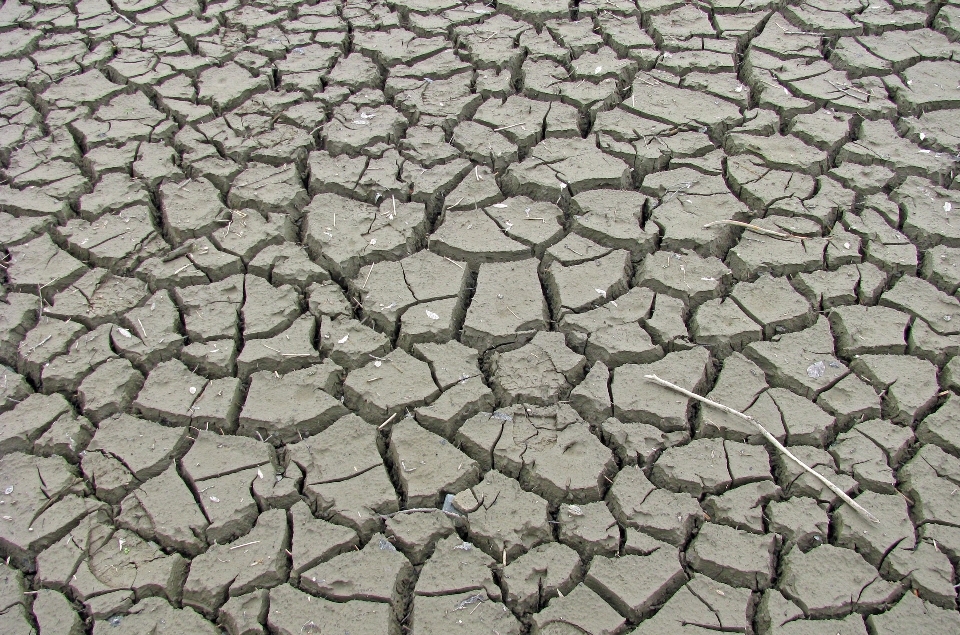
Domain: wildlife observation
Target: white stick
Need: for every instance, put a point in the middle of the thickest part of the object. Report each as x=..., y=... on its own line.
x=369, y=271
x=759, y=230
x=773, y=440
x=383, y=425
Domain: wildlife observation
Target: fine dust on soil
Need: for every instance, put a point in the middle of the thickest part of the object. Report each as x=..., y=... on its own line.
x=333, y=316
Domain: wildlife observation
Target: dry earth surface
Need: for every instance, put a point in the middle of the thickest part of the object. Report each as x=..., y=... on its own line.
x=333, y=317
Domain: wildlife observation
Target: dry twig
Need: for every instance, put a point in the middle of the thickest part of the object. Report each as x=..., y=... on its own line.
x=755, y=228
x=773, y=441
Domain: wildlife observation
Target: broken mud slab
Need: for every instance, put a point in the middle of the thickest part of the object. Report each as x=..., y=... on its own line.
x=796, y=420
x=343, y=480
x=697, y=220
x=742, y=507
x=503, y=310
x=15, y=390
x=559, y=168
x=474, y=237
x=874, y=547
x=613, y=219
x=255, y=560
x=545, y=572
x=290, y=609
x=376, y=573
x=803, y=361
x=636, y=503
x=703, y=604
x=821, y=587
x=540, y=373
x=536, y=445
x=150, y=333
x=139, y=568
x=640, y=400
x=46, y=340
x=638, y=443
x=504, y=520
x=191, y=209
x=470, y=612
x=539, y=227
x=267, y=411
x=162, y=510
x=291, y=349
x=582, y=287
x=923, y=477
x=710, y=466
x=685, y=276
x=678, y=106
x=210, y=311
x=775, y=254
x=796, y=481
x=418, y=534
x=349, y=343
x=615, y=332
x=48, y=493
x=615, y=581
x=221, y=470
x=67, y=371
x=773, y=304
x=40, y=263
x=316, y=540
x=583, y=609
x=909, y=383
x=589, y=529
x=591, y=399
x=267, y=310
x=144, y=448
x=97, y=298
x=109, y=389
x=426, y=465
x=361, y=234
x=30, y=419
x=735, y=557
x=119, y=242
x=389, y=290
x=384, y=388
x=169, y=393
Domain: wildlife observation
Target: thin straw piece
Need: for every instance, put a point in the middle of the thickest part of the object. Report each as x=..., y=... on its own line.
x=773, y=441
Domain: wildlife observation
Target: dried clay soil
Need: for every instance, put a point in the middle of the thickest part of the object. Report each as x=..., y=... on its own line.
x=334, y=317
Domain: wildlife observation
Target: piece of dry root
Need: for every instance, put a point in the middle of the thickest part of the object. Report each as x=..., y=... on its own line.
x=773, y=441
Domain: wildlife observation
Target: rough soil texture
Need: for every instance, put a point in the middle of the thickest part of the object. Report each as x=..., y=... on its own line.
x=334, y=316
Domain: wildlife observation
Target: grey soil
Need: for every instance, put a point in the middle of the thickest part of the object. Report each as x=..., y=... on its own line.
x=335, y=317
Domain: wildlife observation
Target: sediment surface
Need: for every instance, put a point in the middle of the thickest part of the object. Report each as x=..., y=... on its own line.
x=334, y=317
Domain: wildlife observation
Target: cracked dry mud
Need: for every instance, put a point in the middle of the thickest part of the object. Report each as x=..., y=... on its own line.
x=333, y=316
